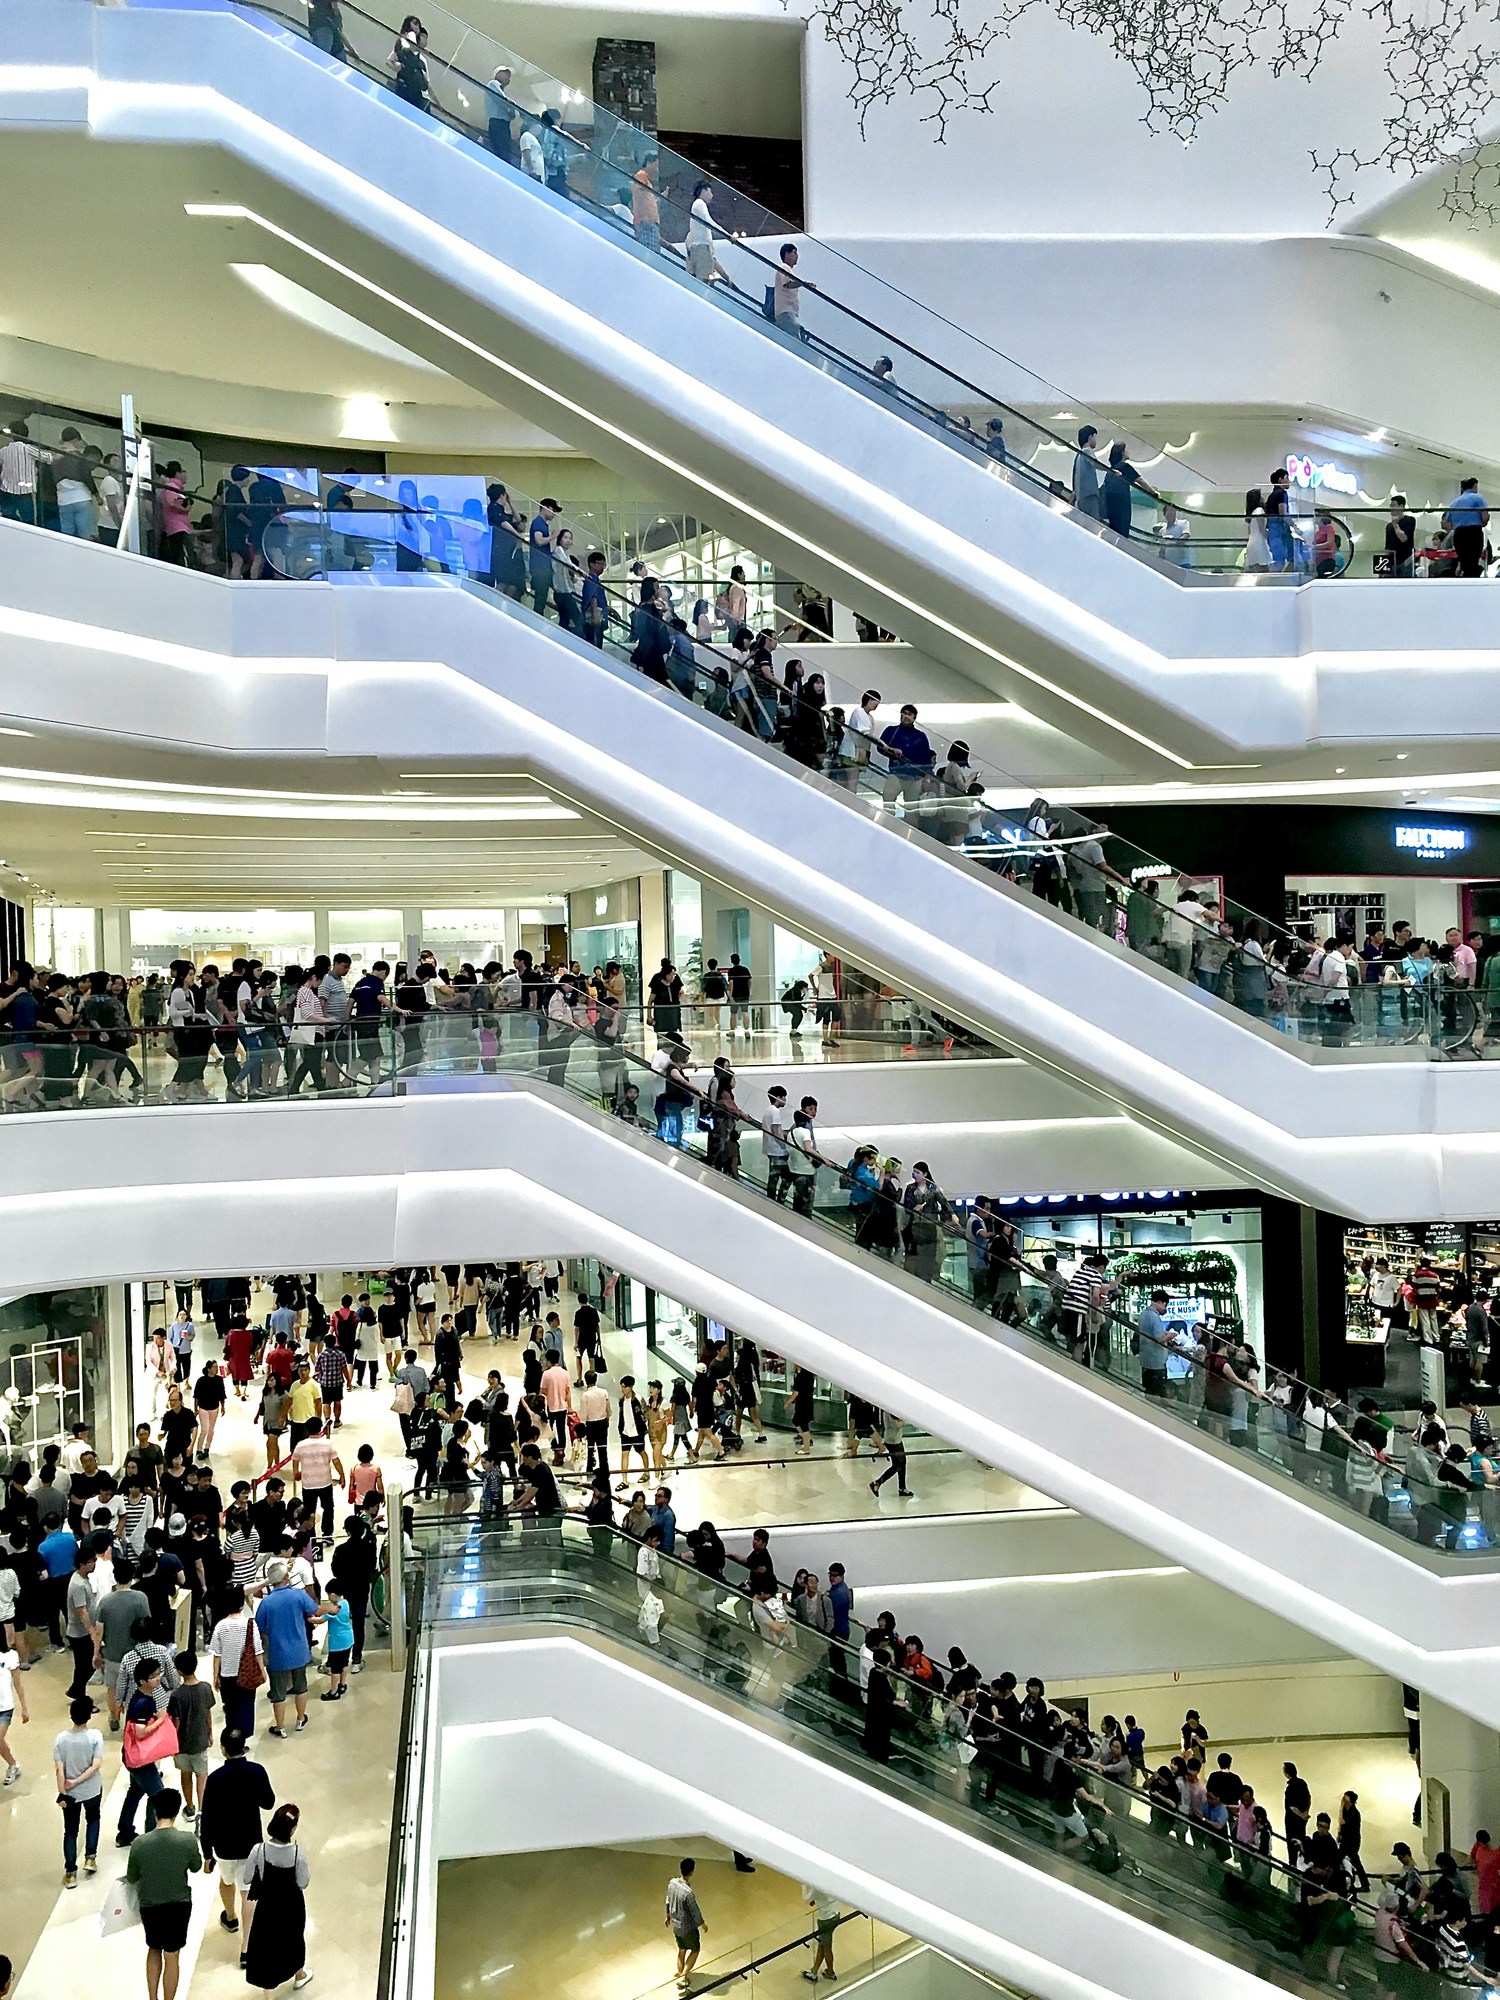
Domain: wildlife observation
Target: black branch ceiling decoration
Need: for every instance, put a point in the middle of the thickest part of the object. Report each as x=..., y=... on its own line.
x=1441, y=59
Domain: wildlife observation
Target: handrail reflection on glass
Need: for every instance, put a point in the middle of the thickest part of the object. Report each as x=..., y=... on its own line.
x=1070, y=863
x=580, y=153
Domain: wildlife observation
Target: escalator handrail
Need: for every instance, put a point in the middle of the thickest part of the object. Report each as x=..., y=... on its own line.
x=1073, y=827
x=431, y=1558
x=951, y=1295
x=933, y=414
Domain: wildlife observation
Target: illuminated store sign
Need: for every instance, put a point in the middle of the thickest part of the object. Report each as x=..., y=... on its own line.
x=1432, y=843
x=1328, y=477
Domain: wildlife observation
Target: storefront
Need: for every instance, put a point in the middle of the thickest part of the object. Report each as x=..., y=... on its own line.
x=676, y=1336
x=1206, y=1250
x=55, y=1371
x=1378, y=1352
x=1321, y=869
x=604, y=924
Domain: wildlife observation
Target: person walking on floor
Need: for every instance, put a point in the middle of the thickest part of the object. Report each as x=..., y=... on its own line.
x=895, y=1446
x=686, y=1922
x=281, y=1620
x=12, y=1696
x=84, y=1632
x=149, y=1736
x=827, y=1914
x=229, y=1827
x=276, y=1879
x=78, y=1766
x=158, y=1869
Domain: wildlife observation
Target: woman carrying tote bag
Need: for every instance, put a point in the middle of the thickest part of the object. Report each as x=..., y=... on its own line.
x=276, y=1878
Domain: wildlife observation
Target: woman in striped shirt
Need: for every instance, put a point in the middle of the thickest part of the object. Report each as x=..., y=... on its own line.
x=242, y=1546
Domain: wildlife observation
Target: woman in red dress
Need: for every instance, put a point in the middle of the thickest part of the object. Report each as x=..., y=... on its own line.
x=239, y=1356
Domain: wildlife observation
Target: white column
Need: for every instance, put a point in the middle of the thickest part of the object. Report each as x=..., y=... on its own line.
x=411, y=935
x=320, y=931
x=512, y=931
x=1460, y=1778
x=121, y=1372
x=112, y=938
x=762, y=969
x=653, y=922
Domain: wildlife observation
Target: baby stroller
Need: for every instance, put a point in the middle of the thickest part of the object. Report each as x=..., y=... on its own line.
x=723, y=1424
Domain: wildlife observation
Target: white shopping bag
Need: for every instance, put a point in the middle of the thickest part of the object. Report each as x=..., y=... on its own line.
x=121, y=1909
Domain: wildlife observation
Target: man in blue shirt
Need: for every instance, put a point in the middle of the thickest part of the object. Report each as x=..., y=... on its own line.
x=58, y=1555
x=911, y=759
x=663, y=1518
x=282, y=1619
x=1468, y=516
x=367, y=1005
x=540, y=538
x=841, y=1604
x=1151, y=1343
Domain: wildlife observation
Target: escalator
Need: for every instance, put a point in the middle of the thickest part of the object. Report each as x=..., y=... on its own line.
x=760, y=1738
x=453, y=1161
x=540, y=294
x=1350, y=1109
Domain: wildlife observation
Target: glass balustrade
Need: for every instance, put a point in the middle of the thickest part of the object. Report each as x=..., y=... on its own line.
x=1369, y=1467
x=1175, y=919
x=833, y=313
x=1013, y=1790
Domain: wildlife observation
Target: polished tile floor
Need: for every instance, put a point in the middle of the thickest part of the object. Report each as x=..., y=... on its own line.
x=588, y=1925
x=766, y=1482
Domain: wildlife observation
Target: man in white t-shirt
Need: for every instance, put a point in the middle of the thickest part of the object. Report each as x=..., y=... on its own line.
x=1385, y=1288
x=701, y=262
x=531, y=155
x=109, y=484
x=1184, y=928
x=1175, y=537
x=858, y=741
x=1333, y=978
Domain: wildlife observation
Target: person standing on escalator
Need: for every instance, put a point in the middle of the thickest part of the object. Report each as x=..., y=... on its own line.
x=1116, y=493
x=407, y=63
x=540, y=540
x=645, y=209
x=786, y=293
x=325, y=26
x=1086, y=474
x=500, y=116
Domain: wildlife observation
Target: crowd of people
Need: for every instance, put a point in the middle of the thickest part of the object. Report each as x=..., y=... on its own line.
x=181, y=1600
x=187, y=1598
x=1294, y=1876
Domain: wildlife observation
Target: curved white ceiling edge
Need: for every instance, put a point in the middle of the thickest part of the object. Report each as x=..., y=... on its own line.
x=978, y=573
x=437, y=672
x=93, y=1197
x=502, y=1704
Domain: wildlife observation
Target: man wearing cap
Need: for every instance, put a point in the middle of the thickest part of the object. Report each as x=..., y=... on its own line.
x=1151, y=1345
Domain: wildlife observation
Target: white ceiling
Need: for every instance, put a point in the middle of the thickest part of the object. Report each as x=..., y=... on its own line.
x=154, y=832
x=100, y=258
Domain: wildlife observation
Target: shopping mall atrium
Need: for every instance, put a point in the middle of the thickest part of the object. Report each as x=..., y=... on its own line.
x=749, y=737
